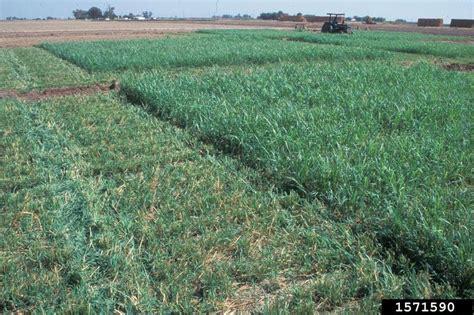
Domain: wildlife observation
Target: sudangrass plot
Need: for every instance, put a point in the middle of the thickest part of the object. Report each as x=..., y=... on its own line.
x=196, y=51
x=385, y=146
x=413, y=43
x=106, y=209
x=301, y=178
x=33, y=68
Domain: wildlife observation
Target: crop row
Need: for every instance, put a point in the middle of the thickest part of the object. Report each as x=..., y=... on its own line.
x=423, y=44
x=384, y=146
x=196, y=51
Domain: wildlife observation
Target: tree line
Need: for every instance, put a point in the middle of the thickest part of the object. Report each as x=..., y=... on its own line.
x=234, y=17
x=96, y=13
x=279, y=14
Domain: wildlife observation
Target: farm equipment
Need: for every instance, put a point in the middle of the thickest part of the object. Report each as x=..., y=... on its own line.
x=333, y=25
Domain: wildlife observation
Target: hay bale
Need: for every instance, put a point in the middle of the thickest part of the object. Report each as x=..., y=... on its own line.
x=462, y=23
x=430, y=22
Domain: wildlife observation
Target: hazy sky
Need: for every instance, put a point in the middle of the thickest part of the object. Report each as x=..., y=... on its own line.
x=406, y=9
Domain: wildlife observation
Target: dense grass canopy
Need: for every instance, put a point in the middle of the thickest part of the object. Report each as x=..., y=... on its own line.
x=413, y=43
x=259, y=170
x=384, y=145
x=197, y=51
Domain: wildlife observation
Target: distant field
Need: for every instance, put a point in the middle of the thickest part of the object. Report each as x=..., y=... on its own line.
x=29, y=33
x=261, y=171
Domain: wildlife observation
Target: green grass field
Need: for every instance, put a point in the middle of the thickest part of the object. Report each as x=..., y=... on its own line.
x=389, y=148
x=255, y=172
x=197, y=51
x=412, y=43
x=105, y=208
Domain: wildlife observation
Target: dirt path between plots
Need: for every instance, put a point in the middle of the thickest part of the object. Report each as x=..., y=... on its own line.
x=62, y=91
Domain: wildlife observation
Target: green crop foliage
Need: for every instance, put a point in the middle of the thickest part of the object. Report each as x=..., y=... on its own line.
x=25, y=69
x=196, y=51
x=381, y=145
x=304, y=172
x=105, y=208
x=414, y=43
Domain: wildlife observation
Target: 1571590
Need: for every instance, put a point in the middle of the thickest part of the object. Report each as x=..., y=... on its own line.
x=451, y=307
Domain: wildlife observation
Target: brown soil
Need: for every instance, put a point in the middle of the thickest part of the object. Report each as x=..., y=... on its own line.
x=63, y=91
x=459, y=67
x=29, y=33
x=449, y=31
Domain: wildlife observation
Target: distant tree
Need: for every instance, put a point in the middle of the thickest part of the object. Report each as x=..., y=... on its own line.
x=94, y=13
x=271, y=16
x=50, y=18
x=14, y=18
x=400, y=21
x=234, y=17
x=300, y=14
x=147, y=14
x=109, y=13
x=379, y=19
x=80, y=14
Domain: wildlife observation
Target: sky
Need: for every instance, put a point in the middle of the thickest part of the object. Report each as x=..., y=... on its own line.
x=409, y=10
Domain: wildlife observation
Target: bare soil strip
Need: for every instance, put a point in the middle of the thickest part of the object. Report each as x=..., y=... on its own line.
x=459, y=67
x=63, y=91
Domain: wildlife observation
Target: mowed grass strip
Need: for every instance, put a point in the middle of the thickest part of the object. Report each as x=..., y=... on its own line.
x=24, y=69
x=413, y=43
x=196, y=51
x=106, y=209
x=383, y=146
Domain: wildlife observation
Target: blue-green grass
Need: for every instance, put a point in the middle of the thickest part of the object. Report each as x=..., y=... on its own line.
x=106, y=209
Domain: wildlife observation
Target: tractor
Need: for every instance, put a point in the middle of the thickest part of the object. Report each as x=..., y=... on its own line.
x=333, y=26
